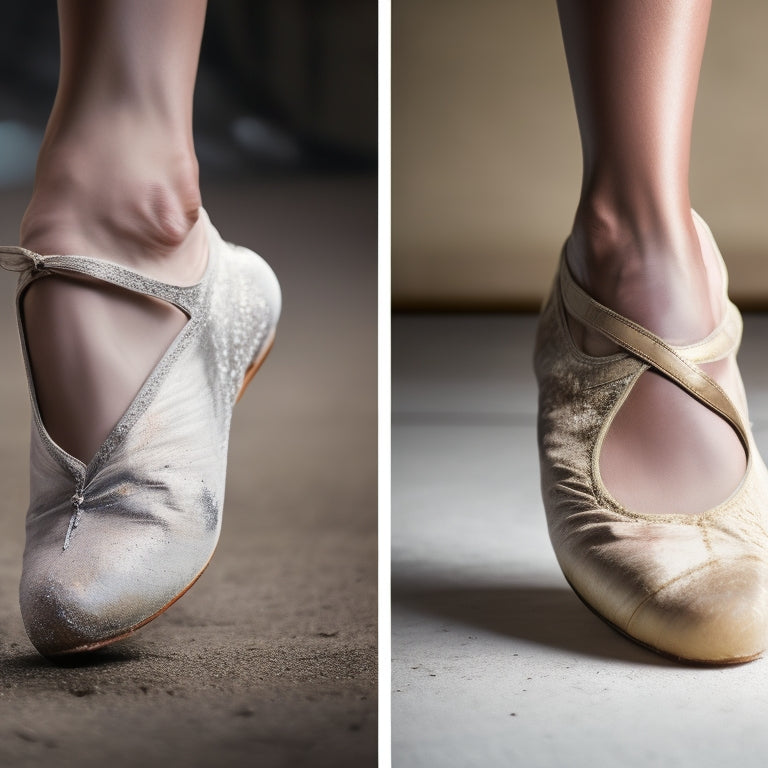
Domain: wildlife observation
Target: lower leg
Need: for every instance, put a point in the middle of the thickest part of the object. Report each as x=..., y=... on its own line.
x=634, y=70
x=634, y=247
x=116, y=179
x=117, y=173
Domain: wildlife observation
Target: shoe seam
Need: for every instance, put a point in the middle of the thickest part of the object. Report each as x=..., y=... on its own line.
x=685, y=574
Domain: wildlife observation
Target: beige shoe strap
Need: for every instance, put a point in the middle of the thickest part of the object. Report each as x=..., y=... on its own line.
x=648, y=347
x=721, y=343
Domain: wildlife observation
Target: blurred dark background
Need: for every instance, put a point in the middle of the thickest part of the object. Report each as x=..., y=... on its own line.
x=283, y=85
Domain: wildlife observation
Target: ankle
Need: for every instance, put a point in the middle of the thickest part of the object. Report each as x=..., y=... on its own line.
x=656, y=268
x=612, y=239
x=140, y=210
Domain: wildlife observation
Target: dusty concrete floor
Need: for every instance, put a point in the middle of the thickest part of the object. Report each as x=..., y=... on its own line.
x=271, y=659
x=495, y=660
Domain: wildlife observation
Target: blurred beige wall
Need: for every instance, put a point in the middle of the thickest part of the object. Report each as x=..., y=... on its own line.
x=485, y=154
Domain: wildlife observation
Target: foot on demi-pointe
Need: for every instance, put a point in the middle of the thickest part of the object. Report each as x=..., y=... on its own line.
x=664, y=452
x=112, y=544
x=92, y=345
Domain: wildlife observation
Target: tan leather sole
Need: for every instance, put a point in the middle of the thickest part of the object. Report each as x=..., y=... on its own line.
x=249, y=374
x=256, y=364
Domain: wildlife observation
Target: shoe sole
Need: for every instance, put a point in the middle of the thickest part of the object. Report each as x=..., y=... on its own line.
x=666, y=654
x=249, y=374
x=256, y=364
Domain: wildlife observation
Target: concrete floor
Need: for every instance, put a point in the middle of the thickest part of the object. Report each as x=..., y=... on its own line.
x=271, y=659
x=495, y=661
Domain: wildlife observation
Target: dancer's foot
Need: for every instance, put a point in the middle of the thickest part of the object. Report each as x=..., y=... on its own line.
x=91, y=345
x=664, y=452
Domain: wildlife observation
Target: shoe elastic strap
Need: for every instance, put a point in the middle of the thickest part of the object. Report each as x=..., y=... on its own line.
x=651, y=349
x=17, y=259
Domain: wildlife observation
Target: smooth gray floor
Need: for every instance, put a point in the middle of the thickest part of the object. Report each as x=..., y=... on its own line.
x=495, y=661
x=270, y=659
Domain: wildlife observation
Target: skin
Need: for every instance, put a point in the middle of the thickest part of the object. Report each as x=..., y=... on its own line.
x=634, y=69
x=116, y=179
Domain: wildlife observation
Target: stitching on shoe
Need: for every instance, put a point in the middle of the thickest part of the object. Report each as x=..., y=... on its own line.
x=74, y=520
x=702, y=523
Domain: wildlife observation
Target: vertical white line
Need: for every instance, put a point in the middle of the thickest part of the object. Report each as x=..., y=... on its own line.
x=385, y=387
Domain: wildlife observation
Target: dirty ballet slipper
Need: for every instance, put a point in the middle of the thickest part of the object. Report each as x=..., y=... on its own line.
x=114, y=540
x=691, y=586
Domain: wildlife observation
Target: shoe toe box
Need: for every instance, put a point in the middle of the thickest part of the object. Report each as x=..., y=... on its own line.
x=105, y=586
x=717, y=613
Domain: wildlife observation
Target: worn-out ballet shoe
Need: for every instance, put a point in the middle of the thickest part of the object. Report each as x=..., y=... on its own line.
x=690, y=586
x=112, y=543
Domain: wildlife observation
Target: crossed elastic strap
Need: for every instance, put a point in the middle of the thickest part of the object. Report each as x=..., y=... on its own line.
x=679, y=364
